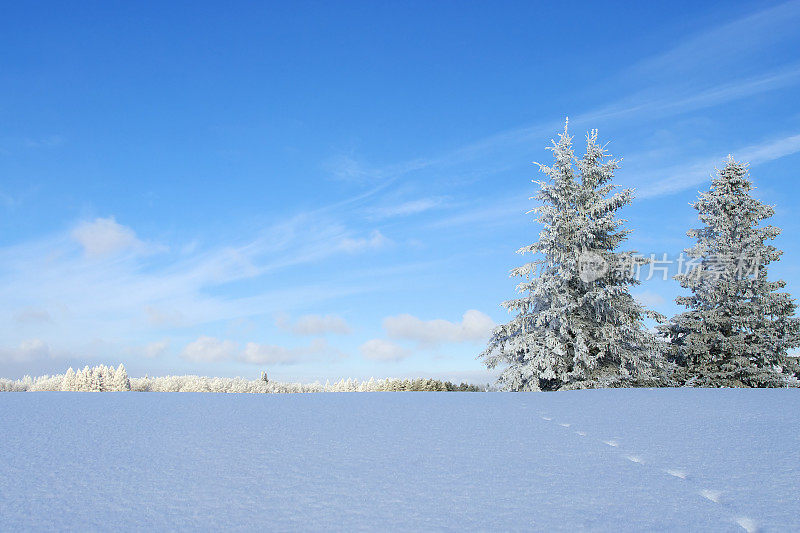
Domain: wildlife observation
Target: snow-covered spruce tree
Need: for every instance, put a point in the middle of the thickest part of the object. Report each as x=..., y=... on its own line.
x=120, y=381
x=69, y=383
x=84, y=379
x=738, y=328
x=577, y=325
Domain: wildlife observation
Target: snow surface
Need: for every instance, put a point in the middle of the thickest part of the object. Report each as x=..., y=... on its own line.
x=668, y=459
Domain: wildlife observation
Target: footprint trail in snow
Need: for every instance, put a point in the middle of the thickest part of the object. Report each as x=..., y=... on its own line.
x=715, y=496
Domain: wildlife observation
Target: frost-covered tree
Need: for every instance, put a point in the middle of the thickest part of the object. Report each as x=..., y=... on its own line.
x=738, y=327
x=69, y=383
x=84, y=379
x=99, y=378
x=576, y=323
x=81, y=380
x=120, y=381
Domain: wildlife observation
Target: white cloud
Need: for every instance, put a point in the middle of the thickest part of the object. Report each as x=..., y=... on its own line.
x=375, y=240
x=111, y=297
x=280, y=355
x=383, y=350
x=156, y=349
x=104, y=236
x=164, y=318
x=130, y=295
x=474, y=327
x=32, y=315
x=213, y=350
x=209, y=349
x=34, y=349
x=309, y=325
x=28, y=350
x=648, y=299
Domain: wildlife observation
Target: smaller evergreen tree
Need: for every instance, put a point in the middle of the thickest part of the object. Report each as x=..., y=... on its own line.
x=738, y=327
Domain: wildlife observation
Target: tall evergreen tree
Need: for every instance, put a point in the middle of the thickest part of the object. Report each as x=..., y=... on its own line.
x=738, y=327
x=577, y=325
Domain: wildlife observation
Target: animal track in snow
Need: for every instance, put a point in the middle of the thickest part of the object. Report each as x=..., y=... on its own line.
x=748, y=524
x=677, y=473
x=712, y=495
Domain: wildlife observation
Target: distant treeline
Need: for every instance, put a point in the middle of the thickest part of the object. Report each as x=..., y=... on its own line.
x=107, y=379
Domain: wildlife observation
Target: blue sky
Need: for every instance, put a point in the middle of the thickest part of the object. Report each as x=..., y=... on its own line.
x=328, y=190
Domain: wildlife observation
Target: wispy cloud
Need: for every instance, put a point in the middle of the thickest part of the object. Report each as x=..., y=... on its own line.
x=44, y=142
x=347, y=168
x=727, y=44
x=411, y=207
x=32, y=315
x=770, y=150
x=507, y=209
x=668, y=100
x=313, y=325
x=87, y=291
x=13, y=144
x=661, y=102
x=375, y=240
x=94, y=280
x=684, y=176
x=667, y=94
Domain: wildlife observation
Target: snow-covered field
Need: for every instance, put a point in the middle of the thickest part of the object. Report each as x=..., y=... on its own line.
x=669, y=459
